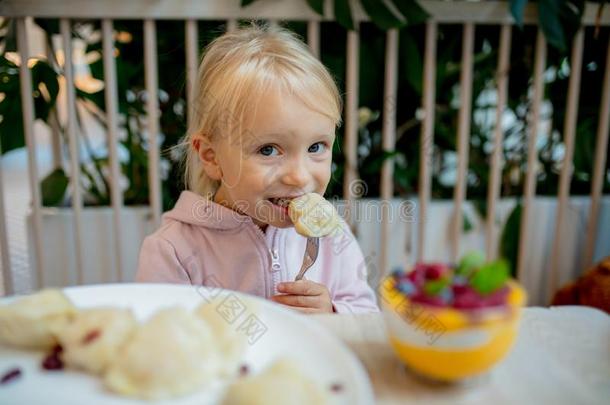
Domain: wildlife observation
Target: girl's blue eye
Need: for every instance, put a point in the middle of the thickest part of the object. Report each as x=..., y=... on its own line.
x=267, y=150
x=317, y=147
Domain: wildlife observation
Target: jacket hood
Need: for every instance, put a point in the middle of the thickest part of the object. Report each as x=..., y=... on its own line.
x=193, y=209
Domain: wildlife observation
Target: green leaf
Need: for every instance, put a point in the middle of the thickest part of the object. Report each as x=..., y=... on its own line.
x=509, y=241
x=413, y=66
x=412, y=11
x=245, y=3
x=45, y=87
x=381, y=15
x=470, y=262
x=375, y=165
x=434, y=287
x=50, y=26
x=53, y=188
x=480, y=205
x=490, y=277
x=11, y=125
x=11, y=121
x=11, y=118
x=8, y=35
x=467, y=224
x=317, y=6
x=584, y=147
x=516, y=9
x=343, y=14
x=548, y=13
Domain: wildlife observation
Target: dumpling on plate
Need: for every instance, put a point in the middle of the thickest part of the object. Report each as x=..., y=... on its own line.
x=171, y=354
x=281, y=384
x=91, y=341
x=30, y=322
x=230, y=343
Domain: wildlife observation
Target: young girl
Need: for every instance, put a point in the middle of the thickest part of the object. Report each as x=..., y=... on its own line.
x=262, y=134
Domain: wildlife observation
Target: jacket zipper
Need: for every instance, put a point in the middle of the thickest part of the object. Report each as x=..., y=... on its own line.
x=276, y=267
x=275, y=261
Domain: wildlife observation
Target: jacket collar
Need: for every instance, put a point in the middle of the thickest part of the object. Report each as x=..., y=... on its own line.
x=194, y=209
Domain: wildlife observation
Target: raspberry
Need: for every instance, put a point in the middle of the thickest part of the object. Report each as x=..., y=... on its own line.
x=417, y=277
x=434, y=271
x=497, y=298
x=422, y=298
x=468, y=299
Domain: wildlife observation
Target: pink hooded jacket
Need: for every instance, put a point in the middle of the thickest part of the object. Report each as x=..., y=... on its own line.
x=201, y=242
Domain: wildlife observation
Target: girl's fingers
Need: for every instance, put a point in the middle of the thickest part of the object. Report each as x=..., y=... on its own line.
x=302, y=301
x=307, y=310
x=303, y=310
x=301, y=287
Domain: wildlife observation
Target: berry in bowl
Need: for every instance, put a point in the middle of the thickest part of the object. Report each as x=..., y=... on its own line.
x=451, y=323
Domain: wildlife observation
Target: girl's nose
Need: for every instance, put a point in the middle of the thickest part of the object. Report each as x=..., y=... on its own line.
x=296, y=174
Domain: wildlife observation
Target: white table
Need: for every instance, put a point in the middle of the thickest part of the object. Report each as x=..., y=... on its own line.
x=562, y=356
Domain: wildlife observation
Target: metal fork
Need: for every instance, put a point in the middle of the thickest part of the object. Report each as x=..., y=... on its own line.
x=311, y=254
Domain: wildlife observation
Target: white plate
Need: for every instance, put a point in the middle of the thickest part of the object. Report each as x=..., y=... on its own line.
x=272, y=332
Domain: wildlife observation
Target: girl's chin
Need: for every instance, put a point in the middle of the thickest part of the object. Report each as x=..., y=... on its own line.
x=278, y=222
x=281, y=224
x=284, y=225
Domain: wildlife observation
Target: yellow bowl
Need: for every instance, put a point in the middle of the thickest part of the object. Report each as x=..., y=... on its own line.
x=450, y=344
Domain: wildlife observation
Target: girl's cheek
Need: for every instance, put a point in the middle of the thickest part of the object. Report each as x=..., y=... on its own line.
x=270, y=174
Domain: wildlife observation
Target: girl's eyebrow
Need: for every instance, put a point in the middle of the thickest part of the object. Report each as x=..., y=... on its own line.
x=280, y=136
x=270, y=135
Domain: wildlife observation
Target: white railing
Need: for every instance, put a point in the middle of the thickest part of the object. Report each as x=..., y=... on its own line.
x=469, y=14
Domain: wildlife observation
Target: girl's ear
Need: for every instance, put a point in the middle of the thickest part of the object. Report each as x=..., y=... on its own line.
x=208, y=156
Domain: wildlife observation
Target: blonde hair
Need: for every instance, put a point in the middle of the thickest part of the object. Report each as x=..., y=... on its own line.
x=237, y=69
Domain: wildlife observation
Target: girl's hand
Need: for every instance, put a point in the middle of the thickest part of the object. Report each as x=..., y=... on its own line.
x=305, y=296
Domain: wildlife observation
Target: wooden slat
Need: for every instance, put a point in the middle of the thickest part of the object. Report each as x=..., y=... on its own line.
x=529, y=187
x=231, y=25
x=492, y=12
x=388, y=134
x=112, y=111
x=7, y=270
x=463, y=143
x=599, y=165
x=75, y=174
x=152, y=112
x=313, y=37
x=351, y=122
x=493, y=192
x=427, y=135
x=27, y=104
x=53, y=120
x=565, y=176
x=192, y=56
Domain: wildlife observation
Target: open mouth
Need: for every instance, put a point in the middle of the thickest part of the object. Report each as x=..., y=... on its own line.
x=282, y=202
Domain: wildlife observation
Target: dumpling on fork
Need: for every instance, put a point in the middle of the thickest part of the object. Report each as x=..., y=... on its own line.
x=31, y=322
x=314, y=216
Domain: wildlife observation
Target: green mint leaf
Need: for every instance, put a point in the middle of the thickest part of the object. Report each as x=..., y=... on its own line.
x=434, y=287
x=490, y=277
x=470, y=262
